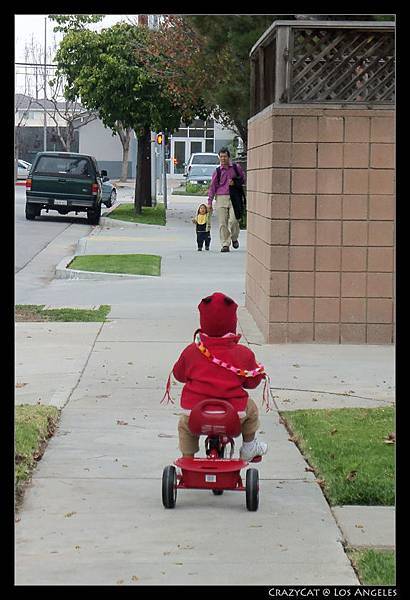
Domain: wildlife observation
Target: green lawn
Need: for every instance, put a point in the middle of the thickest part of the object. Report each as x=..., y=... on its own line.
x=350, y=451
x=374, y=567
x=155, y=215
x=192, y=189
x=36, y=312
x=33, y=424
x=134, y=264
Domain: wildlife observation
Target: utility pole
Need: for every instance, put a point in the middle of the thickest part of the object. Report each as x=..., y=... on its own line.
x=45, y=86
x=165, y=171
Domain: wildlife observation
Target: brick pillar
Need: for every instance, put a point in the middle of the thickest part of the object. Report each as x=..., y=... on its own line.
x=321, y=213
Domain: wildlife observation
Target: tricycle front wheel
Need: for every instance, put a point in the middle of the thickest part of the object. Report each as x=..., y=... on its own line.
x=252, y=489
x=169, y=487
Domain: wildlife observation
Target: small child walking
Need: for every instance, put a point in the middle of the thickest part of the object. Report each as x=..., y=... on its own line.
x=203, y=226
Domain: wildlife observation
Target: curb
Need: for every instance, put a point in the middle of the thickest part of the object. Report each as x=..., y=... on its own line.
x=107, y=222
x=63, y=272
x=21, y=182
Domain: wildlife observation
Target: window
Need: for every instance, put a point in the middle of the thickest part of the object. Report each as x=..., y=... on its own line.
x=196, y=133
x=209, y=145
x=200, y=159
x=78, y=167
x=181, y=133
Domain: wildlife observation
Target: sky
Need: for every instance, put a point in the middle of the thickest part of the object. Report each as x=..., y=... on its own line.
x=30, y=28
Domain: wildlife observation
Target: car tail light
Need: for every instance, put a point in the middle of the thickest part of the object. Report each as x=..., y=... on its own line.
x=94, y=189
x=28, y=184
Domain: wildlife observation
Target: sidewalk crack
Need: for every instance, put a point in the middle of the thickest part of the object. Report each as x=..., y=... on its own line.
x=84, y=367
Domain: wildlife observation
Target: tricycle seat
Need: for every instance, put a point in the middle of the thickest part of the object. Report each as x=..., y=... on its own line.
x=214, y=417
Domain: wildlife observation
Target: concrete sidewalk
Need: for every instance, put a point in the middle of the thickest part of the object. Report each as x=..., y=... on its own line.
x=93, y=513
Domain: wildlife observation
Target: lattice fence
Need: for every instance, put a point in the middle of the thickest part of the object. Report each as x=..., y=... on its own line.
x=341, y=65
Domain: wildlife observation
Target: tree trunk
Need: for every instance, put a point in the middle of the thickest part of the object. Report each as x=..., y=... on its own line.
x=64, y=142
x=70, y=136
x=143, y=177
x=243, y=132
x=125, y=137
x=125, y=153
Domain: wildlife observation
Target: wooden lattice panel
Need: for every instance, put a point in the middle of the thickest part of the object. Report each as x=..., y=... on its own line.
x=340, y=65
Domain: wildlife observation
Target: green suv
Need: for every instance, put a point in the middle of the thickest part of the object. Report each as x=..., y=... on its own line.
x=65, y=182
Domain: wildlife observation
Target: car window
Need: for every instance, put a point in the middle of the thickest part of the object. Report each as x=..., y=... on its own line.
x=68, y=166
x=205, y=159
x=198, y=170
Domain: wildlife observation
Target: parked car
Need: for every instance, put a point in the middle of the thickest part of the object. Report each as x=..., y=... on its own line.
x=65, y=182
x=23, y=169
x=109, y=192
x=201, y=158
x=201, y=174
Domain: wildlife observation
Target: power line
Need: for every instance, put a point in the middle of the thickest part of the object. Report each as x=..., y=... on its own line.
x=36, y=64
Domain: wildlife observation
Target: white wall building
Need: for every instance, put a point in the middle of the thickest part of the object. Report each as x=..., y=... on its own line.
x=199, y=136
x=99, y=141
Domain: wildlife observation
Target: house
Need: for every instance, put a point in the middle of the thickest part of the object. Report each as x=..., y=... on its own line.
x=198, y=136
x=92, y=137
x=100, y=142
x=29, y=126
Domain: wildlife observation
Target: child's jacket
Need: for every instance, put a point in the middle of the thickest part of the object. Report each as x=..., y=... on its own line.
x=203, y=222
x=204, y=379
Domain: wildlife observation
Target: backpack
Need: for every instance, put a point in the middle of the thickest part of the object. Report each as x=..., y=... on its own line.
x=237, y=194
x=218, y=173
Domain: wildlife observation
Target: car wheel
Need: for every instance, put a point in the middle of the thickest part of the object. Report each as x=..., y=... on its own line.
x=32, y=211
x=93, y=216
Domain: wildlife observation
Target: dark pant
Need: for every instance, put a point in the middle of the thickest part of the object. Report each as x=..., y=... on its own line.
x=203, y=236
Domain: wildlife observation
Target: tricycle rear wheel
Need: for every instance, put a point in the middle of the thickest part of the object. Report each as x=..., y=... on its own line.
x=169, y=487
x=252, y=489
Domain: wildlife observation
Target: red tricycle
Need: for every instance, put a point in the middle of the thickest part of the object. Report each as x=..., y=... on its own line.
x=219, y=421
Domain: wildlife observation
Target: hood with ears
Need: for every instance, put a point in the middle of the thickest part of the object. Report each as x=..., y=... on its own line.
x=218, y=315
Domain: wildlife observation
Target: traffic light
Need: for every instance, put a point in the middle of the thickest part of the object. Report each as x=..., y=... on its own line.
x=159, y=137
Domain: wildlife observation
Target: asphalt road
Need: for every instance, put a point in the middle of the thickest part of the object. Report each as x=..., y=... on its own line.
x=31, y=237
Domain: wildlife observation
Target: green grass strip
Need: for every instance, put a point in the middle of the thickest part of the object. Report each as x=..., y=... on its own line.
x=133, y=264
x=350, y=450
x=34, y=424
x=374, y=567
x=151, y=215
x=36, y=312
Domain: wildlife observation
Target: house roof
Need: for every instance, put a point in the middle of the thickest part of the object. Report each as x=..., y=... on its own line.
x=22, y=102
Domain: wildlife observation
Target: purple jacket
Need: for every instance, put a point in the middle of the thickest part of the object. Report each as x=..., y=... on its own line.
x=227, y=173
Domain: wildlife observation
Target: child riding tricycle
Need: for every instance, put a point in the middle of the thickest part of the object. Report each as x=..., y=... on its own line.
x=215, y=369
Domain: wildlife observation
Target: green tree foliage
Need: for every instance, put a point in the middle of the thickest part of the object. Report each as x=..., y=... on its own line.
x=66, y=23
x=227, y=41
x=102, y=68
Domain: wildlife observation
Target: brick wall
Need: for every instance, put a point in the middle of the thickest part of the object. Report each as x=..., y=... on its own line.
x=321, y=210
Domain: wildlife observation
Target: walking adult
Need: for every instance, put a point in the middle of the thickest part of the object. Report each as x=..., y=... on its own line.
x=225, y=178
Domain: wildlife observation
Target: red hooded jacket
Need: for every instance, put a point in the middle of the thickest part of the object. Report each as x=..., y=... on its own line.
x=204, y=379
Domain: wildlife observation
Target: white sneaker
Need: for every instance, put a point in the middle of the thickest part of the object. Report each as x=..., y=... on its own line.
x=251, y=449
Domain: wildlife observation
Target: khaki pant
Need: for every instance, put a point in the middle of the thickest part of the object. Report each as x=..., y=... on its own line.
x=228, y=223
x=189, y=443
